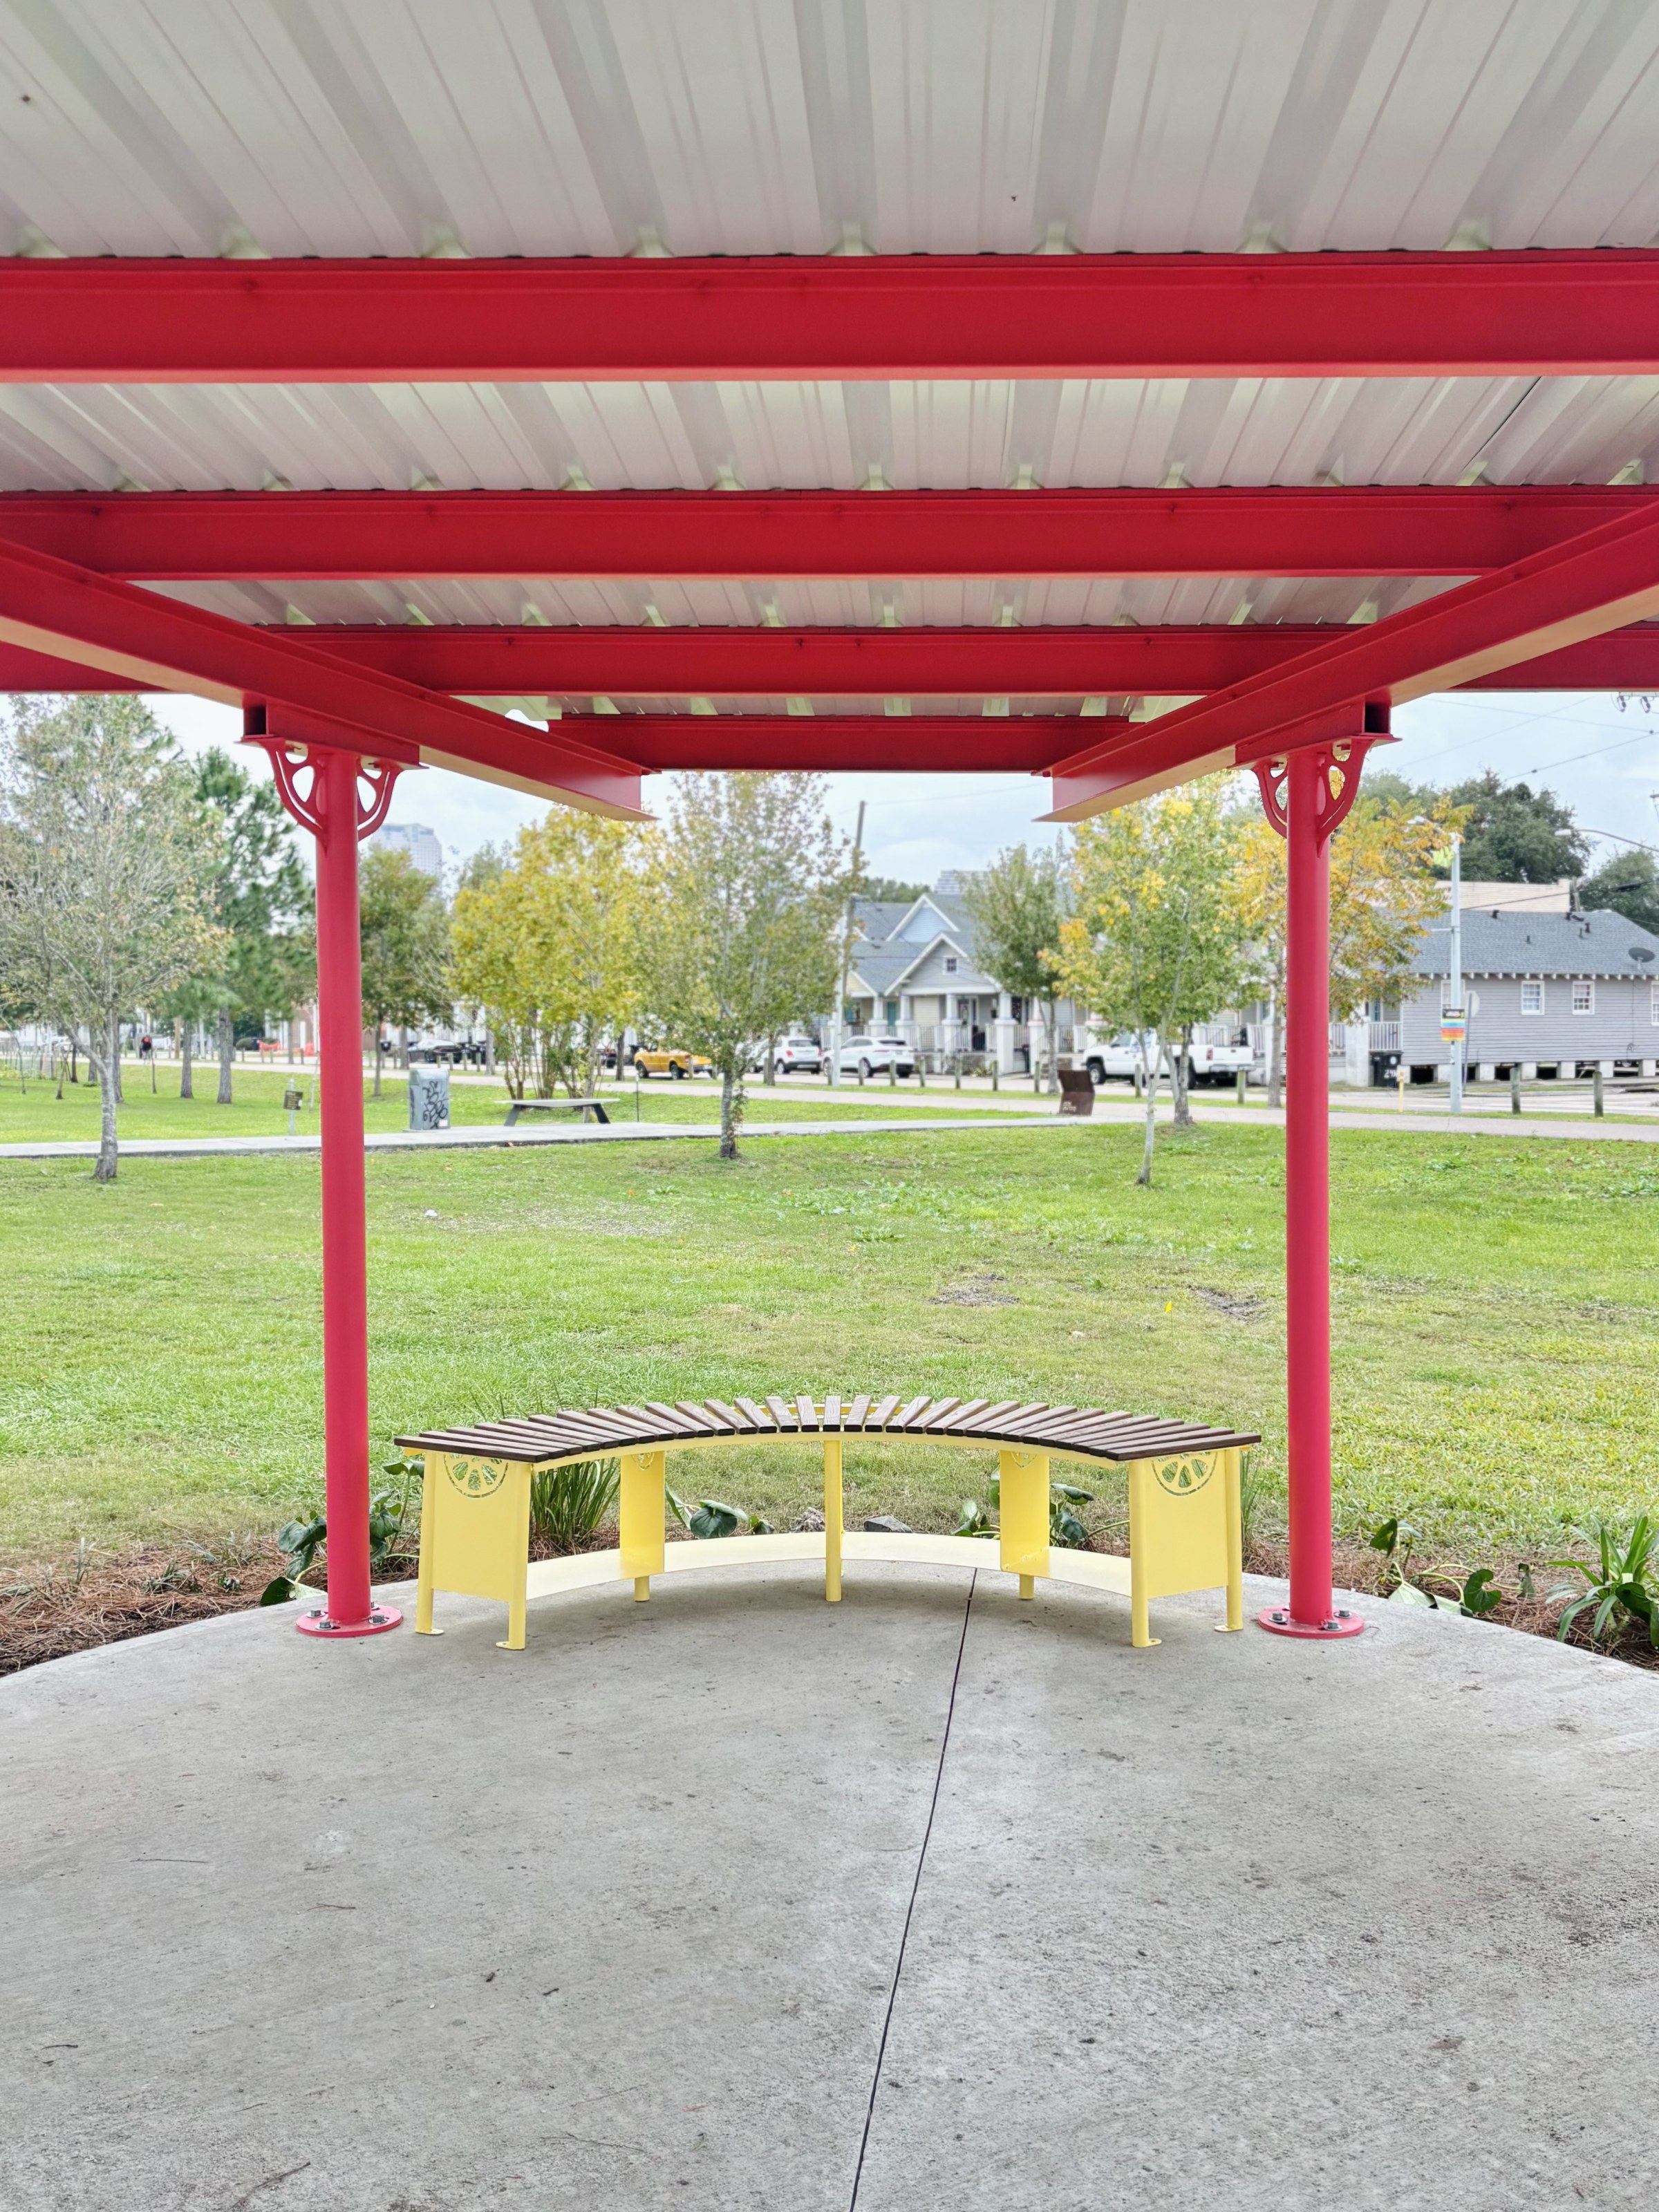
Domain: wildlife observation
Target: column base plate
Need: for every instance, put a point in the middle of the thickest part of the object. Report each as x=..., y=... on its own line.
x=1278, y=1622
x=380, y=1619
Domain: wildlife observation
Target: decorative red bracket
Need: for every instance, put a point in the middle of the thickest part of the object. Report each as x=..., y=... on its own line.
x=1340, y=759
x=290, y=762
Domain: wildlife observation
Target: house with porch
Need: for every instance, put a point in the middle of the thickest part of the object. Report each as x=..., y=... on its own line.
x=1548, y=991
x=916, y=970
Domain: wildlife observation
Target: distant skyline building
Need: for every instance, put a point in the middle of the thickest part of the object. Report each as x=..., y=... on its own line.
x=414, y=838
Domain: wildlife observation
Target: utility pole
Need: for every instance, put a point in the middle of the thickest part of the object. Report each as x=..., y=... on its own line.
x=846, y=954
x=1455, y=976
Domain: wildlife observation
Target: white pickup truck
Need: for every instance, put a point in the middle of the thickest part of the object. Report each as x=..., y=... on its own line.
x=1210, y=1058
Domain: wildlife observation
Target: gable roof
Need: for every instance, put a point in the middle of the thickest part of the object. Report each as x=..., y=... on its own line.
x=1502, y=944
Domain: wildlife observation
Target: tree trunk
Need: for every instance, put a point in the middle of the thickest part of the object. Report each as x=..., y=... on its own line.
x=769, y=1072
x=731, y=1113
x=377, y=1059
x=1180, y=1073
x=1054, y=1046
x=1275, y=1053
x=74, y=1054
x=115, y=1067
x=1149, y=1083
x=186, y=1039
x=226, y=1054
x=105, y=1170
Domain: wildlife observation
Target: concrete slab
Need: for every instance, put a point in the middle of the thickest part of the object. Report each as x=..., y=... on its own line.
x=621, y=1921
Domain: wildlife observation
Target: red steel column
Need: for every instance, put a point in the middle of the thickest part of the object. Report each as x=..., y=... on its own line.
x=345, y=1260
x=1308, y=1198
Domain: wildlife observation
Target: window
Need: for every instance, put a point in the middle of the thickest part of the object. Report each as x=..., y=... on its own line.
x=1532, y=999
x=949, y=963
x=1584, y=996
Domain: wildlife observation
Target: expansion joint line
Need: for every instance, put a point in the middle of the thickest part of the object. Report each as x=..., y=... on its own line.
x=915, y=1890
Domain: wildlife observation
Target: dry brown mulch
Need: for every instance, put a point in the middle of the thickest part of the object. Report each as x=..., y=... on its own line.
x=75, y=1604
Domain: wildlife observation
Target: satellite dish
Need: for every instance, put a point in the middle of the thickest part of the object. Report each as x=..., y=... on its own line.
x=1641, y=953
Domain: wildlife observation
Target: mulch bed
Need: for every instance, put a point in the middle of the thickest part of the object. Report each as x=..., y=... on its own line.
x=72, y=1605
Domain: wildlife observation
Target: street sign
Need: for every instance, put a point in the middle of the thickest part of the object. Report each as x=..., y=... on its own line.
x=1453, y=1024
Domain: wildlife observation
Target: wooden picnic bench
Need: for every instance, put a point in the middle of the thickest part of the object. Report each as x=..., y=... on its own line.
x=589, y=1108
x=1184, y=1513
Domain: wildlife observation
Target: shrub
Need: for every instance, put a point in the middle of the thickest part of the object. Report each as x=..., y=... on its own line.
x=567, y=1504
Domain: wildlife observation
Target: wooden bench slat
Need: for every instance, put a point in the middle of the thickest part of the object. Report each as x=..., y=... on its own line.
x=728, y=1416
x=831, y=1411
x=979, y=1418
x=753, y=1414
x=855, y=1418
x=781, y=1410
x=906, y=1414
x=941, y=1412
x=806, y=1413
x=883, y=1414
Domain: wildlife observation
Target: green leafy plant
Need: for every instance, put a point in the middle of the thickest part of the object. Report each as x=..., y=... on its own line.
x=390, y=1509
x=1476, y=1596
x=567, y=1504
x=1066, y=1532
x=1481, y=1594
x=712, y=1517
x=1618, y=1581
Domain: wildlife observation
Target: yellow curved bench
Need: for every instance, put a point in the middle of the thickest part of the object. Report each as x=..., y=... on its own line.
x=1184, y=1524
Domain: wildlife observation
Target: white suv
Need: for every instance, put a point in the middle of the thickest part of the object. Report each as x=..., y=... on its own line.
x=798, y=1055
x=874, y=1055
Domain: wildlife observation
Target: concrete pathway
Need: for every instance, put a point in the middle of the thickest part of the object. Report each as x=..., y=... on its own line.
x=741, y=1902
x=472, y=1137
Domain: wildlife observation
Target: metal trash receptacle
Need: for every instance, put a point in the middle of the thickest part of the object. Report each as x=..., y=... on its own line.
x=428, y=1097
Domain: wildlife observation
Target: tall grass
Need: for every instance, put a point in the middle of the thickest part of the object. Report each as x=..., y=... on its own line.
x=567, y=1504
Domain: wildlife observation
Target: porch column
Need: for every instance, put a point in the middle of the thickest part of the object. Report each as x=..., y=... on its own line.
x=1306, y=793
x=327, y=803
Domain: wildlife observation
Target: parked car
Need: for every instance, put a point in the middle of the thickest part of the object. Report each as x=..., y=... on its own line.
x=874, y=1055
x=797, y=1056
x=680, y=1065
x=1120, y=1055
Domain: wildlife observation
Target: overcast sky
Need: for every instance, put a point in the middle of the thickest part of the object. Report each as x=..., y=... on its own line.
x=1603, y=762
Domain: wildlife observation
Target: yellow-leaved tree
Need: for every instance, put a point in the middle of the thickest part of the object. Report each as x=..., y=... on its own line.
x=1154, y=942
x=550, y=948
x=1384, y=896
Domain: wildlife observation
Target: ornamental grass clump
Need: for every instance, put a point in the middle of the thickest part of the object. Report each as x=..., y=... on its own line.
x=568, y=1504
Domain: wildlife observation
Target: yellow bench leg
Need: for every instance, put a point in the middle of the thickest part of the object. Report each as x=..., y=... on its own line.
x=833, y=1512
x=1140, y=1629
x=641, y=1515
x=1232, y=1470
x=1023, y=1487
x=437, y=1467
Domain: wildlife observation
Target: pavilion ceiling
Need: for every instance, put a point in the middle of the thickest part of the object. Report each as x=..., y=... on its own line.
x=1205, y=368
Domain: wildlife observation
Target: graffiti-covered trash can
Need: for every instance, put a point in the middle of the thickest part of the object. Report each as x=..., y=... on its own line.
x=428, y=1097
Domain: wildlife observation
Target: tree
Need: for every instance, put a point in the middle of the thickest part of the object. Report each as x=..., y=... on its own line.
x=550, y=947
x=1384, y=896
x=888, y=890
x=1513, y=834
x=264, y=905
x=1628, y=884
x=1016, y=906
x=404, y=933
x=747, y=882
x=107, y=869
x=1155, y=942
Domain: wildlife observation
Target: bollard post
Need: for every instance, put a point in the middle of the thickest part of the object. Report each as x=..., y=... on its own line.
x=1597, y=1091
x=1515, y=1086
x=1241, y=1086
x=892, y=1071
x=958, y=1070
x=996, y=1075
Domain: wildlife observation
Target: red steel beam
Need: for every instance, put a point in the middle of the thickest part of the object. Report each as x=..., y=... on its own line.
x=1593, y=313
x=1549, y=603
x=54, y=608
x=615, y=661
x=881, y=743
x=1274, y=531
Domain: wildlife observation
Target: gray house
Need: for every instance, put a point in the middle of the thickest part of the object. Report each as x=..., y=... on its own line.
x=915, y=970
x=1552, y=993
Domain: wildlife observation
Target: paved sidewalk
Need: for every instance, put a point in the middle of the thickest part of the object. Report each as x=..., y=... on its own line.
x=738, y=1902
x=488, y=1137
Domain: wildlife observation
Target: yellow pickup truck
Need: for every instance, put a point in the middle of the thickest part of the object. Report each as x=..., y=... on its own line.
x=677, y=1064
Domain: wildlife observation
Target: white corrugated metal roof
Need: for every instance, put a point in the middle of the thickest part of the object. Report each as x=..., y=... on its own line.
x=345, y=127
x=767, y=126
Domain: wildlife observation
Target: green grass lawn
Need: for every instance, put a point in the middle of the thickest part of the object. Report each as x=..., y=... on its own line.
x=1495, y=1312
x=32, y=1112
